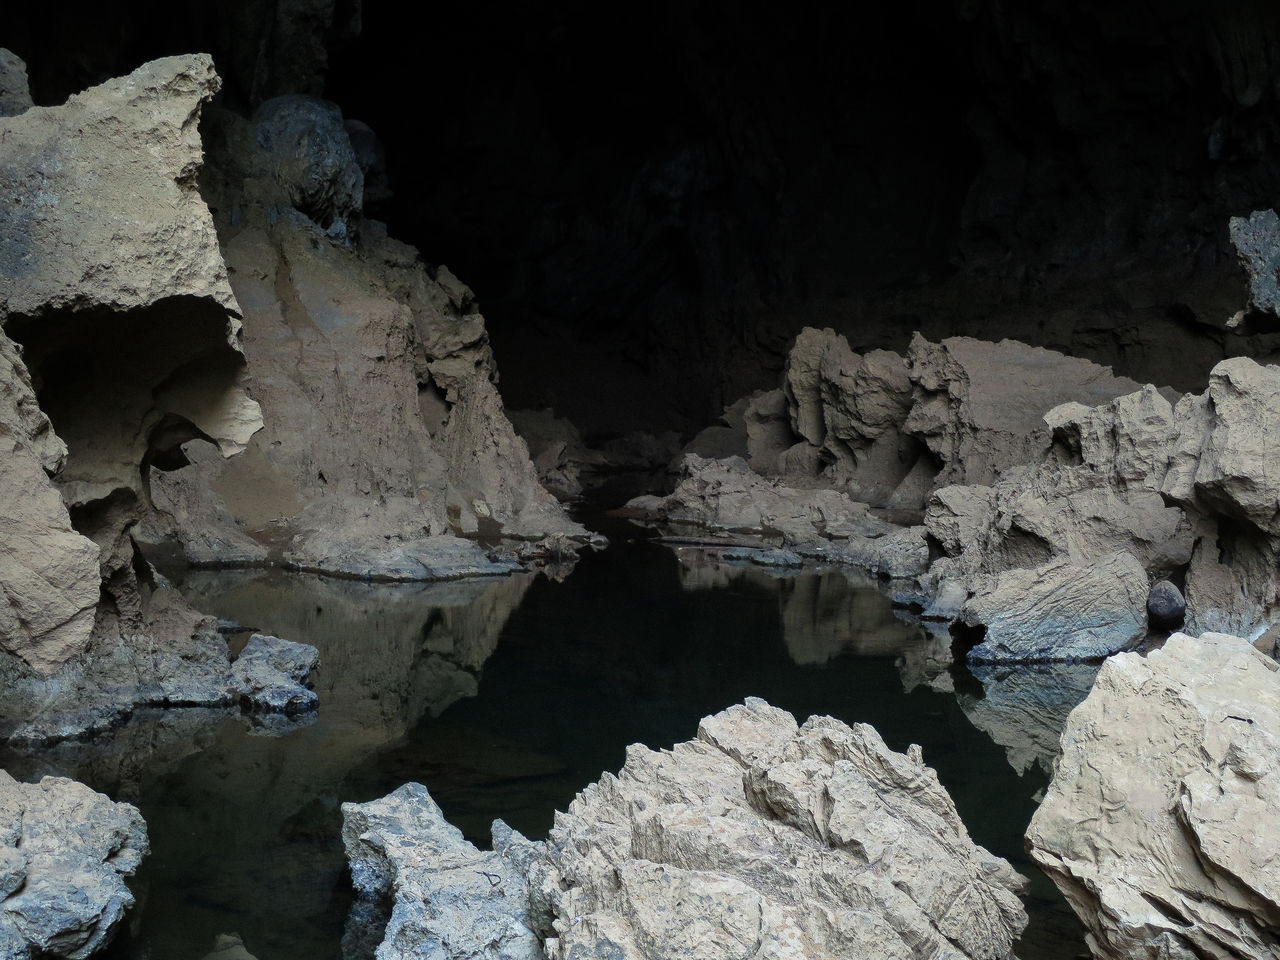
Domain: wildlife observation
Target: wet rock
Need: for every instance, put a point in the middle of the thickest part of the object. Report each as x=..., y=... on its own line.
x=1166, y=607
x=1060, y=611
x=270, y=674
x=1257, y=241
x=816, y=838
x=766, y=558
x=15, y=94
x=1154, y=825
x=449, y=898
x=72, y=849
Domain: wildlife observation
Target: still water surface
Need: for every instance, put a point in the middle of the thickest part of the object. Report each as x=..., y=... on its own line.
x=505, y=698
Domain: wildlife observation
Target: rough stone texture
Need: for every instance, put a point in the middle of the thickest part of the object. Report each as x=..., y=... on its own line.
x=270, y=674
x=450, y=898
x=979, y=406
x=385, y=432
x=1257, y=241
x=1166, y=607
x=1156, y=824
x=15, y=96
x=1060, y=611
x=758, y=838
x=129, y=327
x=65, y=853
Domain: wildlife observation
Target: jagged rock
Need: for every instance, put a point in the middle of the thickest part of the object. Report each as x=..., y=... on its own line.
x=70, y=849
x=1024, y=708
x=307, y=151
x=768, y=424
x=1257, y=241
x=758, y=837
x=15, y=94
x=228, y=946
x=1060, y=611
x=385, y=433
x=979, y=406
x=1155, y=826
x=270, y=674
x=128, y=325
x=1166, y=607
x=450, y=898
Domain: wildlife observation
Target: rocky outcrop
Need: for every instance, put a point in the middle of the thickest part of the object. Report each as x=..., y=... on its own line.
x=386, y=438
x=1154, y=826
x=65, y=852
x=806, y=841
x=449, y=898
x=1257, y=241
x=120, y=325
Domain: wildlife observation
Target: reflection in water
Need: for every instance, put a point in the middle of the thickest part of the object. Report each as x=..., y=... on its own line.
x=505, y=698
x=1024, y=708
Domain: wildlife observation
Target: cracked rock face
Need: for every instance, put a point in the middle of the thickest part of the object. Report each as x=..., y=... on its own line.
x=64, y=854
x=1156, y=824
x=757, y=838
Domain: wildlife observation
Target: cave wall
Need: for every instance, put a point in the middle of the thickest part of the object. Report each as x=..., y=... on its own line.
x=651, y=201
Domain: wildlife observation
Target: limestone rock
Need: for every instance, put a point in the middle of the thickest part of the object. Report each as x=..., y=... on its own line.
x=15, y=95
x=1154, y=826
x=72, y=848
x=1257, y=241
x=979, y=406
x=308, y=152
x=758, y=838
x=450, y=898
x=65, y=241
x=808, y=842
x=270, y=674
x=1060, y=611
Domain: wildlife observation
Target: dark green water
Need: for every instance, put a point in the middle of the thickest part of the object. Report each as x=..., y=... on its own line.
x=505, y=698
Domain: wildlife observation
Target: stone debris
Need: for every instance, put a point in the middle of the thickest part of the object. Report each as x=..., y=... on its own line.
x=1155, y=826
x=65, y=852
x=758, y=838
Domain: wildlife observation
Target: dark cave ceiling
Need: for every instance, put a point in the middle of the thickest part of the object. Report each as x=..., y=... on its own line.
x=650, y=200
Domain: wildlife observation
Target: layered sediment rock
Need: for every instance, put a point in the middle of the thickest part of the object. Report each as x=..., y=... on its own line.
x=385, y=435
x=759, y=835
x=65, y=852
x=1155, y=826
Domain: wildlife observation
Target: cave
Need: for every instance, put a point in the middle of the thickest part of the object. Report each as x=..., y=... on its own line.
x=651, y=201
x=513, y=386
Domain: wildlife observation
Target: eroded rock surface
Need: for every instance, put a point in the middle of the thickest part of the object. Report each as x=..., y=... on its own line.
x=758, y=838
x=65, y=852
x=1156, y=824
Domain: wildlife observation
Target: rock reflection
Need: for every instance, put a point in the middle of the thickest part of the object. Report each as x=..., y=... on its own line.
x=1024, y=708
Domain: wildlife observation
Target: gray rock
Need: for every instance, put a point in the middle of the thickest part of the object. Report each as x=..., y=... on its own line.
x=1060, y=611
x=1156, y=826
x=269, y=674
x=450, y=898
x=75, y=847
x=308, y=152
x=1166, y=607
x=15, y=94
x=1257, y=241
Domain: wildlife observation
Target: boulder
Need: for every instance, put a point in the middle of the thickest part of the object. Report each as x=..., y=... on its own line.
x=1060, y=611
x=757, y=838
x=15, y=94
x=1155, y=824
x=270, y=674
x=65, y=852
x=1166, y=607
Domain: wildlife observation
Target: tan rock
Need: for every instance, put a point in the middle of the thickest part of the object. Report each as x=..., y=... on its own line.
x=1151, y=826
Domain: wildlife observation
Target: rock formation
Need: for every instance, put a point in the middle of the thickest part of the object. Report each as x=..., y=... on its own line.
x=64, y=854
x=1156, y=826
x=759, y=837
x=385, y=436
